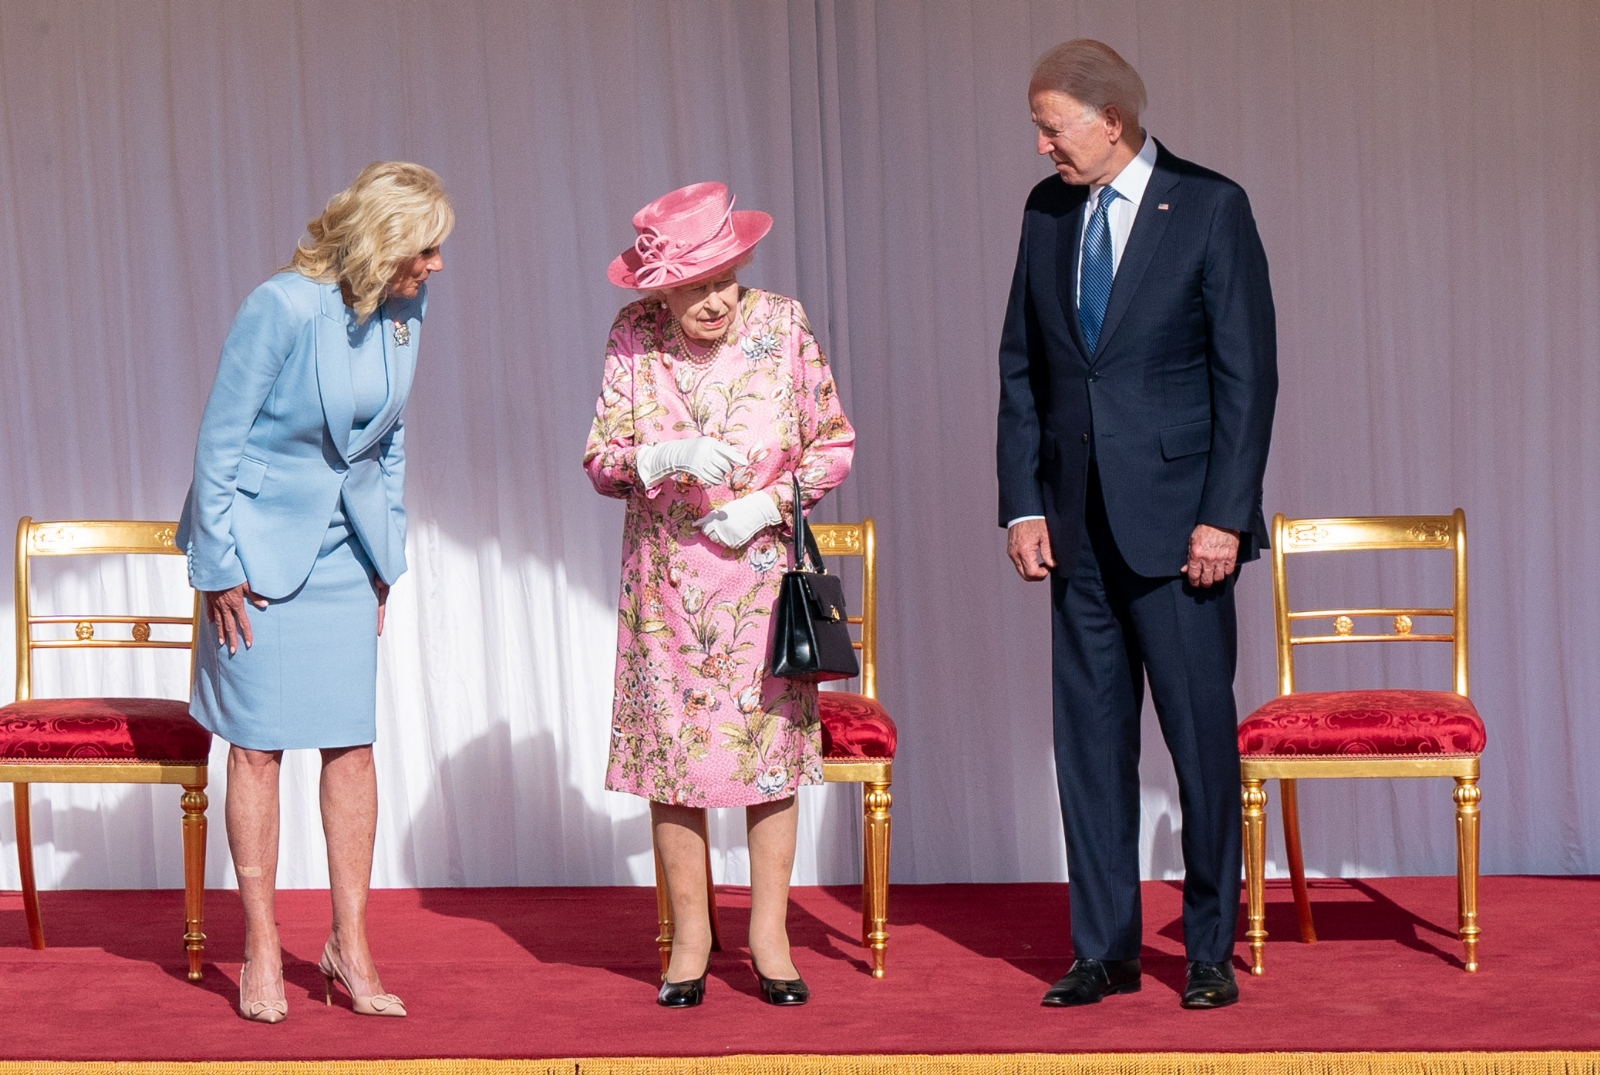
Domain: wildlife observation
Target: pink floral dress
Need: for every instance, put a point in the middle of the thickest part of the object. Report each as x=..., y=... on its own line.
x=696, y=719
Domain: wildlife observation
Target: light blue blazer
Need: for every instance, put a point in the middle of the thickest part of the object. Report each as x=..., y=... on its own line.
x=277, y=452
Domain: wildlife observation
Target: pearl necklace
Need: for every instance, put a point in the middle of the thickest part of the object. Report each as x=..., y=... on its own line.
x=680, y=344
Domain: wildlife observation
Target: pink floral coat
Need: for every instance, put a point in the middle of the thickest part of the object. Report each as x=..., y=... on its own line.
x=696, y=719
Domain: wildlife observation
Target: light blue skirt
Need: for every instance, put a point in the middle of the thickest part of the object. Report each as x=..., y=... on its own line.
x=310, y=677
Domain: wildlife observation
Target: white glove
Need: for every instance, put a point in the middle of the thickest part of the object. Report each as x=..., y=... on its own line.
x=706, y=458
x=737, y=521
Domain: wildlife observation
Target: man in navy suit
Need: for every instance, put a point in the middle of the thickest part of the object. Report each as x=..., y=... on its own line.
x=1138, y=374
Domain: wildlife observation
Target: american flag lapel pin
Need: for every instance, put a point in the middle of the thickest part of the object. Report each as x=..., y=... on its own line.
x=1162, y=206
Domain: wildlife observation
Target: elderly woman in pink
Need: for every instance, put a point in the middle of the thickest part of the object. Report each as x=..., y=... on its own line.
x=715, y=398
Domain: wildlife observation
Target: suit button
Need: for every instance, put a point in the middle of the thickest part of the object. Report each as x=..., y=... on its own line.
x=1086, y=438
x=1093, y=377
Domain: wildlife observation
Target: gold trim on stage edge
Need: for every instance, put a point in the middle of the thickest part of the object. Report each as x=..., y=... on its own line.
x=1354, y=1063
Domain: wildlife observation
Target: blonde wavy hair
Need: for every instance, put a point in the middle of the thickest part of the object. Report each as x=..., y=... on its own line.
x=389, y=215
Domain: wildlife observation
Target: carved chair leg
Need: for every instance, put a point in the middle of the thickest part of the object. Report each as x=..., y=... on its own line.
x=1297, y=867
x=194, y=804
x=664, y=929
x=30, y=893
x=1466, y=795
x=1254, y=796
x=875, y=804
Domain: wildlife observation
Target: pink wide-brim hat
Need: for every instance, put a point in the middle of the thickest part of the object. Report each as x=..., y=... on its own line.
x=687, y=236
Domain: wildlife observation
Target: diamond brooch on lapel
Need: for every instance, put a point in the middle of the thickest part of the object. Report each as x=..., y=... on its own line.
x=402, y=333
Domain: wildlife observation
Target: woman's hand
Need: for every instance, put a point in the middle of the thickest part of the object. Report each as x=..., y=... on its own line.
x=737, y=521
x=383, y=599
x=707, y=458
x=225, y=608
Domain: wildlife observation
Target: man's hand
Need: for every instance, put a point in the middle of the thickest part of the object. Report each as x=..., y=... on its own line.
x=225, y=608
x=1213, y=554
x=1028, y=545
x=383, y=599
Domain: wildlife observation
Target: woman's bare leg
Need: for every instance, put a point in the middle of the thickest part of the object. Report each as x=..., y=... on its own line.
x=680, y=836
x=252, y=817
x=349, y=798
x=771, y=828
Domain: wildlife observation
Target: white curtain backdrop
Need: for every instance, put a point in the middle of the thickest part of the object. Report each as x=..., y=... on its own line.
x=1423, y=174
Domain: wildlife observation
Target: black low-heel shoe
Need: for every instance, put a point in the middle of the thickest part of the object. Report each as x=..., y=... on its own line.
x=782, y=992
x=683, y=994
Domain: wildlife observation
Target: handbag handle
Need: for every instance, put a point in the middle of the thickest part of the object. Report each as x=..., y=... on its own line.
x=804, y=541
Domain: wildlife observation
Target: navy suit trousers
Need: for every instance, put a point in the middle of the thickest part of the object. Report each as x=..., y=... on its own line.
x=1111, y=628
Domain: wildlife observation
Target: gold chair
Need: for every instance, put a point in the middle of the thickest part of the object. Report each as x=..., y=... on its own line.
x=1370, y=733
x=859, y=739
x=103, y=740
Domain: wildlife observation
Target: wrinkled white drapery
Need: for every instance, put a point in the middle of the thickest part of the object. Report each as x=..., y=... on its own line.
x=1422, y=173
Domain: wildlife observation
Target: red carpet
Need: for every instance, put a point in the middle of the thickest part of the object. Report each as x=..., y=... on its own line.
x=572, y=973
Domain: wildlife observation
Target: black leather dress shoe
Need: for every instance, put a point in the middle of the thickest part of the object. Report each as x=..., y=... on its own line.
x=1211, y=985
x=683, y=994
x=784, y=992
x=1091, y=979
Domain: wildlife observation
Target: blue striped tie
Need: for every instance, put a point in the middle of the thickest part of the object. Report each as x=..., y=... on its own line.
x=1094, y=283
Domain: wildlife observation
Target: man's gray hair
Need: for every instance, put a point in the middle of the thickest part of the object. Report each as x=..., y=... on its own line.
x=1091, y=73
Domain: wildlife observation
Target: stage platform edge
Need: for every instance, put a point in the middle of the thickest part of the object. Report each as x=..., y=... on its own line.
x=1282, y=1063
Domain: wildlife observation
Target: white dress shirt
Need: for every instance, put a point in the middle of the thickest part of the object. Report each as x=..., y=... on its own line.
x=1120, y=214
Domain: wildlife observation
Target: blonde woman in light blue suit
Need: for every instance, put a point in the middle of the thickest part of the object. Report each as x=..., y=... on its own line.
x=295, y=531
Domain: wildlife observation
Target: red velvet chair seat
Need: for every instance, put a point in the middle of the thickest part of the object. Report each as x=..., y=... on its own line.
x=105, y=730
x=1375, y=722
x=855, y=726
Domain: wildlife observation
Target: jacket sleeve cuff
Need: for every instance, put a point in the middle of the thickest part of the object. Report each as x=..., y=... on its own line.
x=1238, y=519
x=223, y=576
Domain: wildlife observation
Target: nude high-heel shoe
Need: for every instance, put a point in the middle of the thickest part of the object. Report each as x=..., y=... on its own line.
x=378, y=1004
x=261, y=1011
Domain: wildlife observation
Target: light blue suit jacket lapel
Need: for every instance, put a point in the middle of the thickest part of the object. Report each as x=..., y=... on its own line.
x=333, y=370
x=333, y=373
x=401, y=363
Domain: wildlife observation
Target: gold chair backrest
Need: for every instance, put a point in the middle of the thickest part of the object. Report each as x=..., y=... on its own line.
x=858, y=539
x=92, y=538
x=1377, y=532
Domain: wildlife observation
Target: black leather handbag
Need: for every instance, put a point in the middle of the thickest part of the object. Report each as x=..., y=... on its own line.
x=810, y=632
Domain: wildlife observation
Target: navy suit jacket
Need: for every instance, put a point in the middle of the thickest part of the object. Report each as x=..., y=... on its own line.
x=1178, y=396
x=277, y=451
